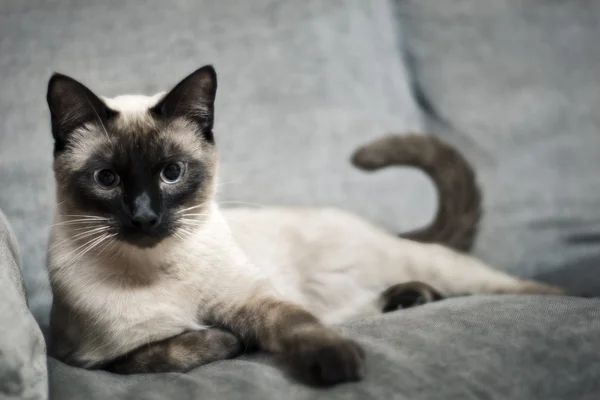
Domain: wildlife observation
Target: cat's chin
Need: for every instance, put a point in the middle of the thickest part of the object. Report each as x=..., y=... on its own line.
x=143, y=241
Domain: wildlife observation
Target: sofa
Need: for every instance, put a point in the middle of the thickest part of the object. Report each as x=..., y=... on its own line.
x=514, y=84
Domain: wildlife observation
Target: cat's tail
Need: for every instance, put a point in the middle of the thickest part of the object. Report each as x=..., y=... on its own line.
x=459, y=205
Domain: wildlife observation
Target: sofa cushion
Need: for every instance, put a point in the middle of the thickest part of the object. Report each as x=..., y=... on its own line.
x=22, y=348
x=516, y=85
x=505, y=347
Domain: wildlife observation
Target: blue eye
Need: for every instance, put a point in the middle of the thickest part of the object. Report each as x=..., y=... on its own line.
x=106, y=178
x=172, y=172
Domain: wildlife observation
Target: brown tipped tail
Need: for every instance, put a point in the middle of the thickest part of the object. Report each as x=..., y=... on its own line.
x=459, y=205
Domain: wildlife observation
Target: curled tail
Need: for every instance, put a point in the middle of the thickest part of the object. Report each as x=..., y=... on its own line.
x=459, y=205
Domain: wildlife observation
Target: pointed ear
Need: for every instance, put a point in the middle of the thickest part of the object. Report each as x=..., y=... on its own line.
x=192, y=98
x=72, y=105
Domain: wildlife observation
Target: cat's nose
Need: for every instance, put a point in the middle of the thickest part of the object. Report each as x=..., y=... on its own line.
x=143, y=216
x=145, y=219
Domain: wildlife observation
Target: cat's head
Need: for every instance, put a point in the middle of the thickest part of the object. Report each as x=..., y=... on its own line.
x=139, y=166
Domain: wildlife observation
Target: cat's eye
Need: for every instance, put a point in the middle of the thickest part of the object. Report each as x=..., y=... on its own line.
x=106, y=178
x=172, y=172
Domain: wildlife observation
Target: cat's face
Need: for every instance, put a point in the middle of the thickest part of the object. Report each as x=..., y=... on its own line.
x=141, y=167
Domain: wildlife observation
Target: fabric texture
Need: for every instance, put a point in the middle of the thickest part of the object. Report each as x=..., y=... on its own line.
x=509, y=347
x=22, y=348
x=517, y=83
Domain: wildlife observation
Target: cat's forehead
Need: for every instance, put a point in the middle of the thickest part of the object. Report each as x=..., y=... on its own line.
x=135, y=130
x=133, y=114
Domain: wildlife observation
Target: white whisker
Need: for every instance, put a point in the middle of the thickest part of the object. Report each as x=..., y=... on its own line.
x=88, y=227
x=191, y=208
x=77, y=221
x=97, y=116
x=83, y=216
x=191, y=222
x=94, y=244
x=225, y=183
x=83, y=245
x=106, y=246
x=187, y=234
x=81, y=235
x=90, y=232
x=178, y=235
x=245, y=203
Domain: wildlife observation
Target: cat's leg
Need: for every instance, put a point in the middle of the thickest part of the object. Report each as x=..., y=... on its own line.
x=454, y=273
x=407, y=295
x=179, y=353
x=309, y=350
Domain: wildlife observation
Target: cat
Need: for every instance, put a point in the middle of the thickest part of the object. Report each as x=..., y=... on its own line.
x=149, y=274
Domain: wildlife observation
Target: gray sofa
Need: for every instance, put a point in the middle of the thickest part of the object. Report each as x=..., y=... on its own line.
x=514, y=83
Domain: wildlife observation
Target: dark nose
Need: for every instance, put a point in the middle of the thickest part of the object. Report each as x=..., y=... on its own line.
x=143, y=217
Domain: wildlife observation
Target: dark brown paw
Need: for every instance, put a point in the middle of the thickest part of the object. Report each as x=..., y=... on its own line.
x=407, y=295
x=324, y=360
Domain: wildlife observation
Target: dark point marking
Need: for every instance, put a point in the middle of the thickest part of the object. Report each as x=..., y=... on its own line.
x=308, y=350
x=459, y=211
x=193, y=98
x=407, y=295
x=137, y=151
x=178, y=354
x=71, y=106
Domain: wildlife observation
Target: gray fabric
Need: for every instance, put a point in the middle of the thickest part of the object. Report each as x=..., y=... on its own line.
x=22, y=348
x=302, y=83
x=474, y=348
x=518, y=82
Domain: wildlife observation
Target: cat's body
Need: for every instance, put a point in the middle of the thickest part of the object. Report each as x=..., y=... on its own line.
x=143, y=258
x=330, y=262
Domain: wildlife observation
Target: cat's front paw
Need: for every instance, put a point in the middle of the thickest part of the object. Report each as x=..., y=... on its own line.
x=324, y=358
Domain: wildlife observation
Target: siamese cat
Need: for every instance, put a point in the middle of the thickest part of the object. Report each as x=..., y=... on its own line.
x=150, y=275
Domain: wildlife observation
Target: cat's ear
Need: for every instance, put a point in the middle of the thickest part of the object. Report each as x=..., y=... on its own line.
x=192, y=98
x=71, y=106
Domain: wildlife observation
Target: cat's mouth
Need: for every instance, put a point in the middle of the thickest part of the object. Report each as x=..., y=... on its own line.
x=143, y=239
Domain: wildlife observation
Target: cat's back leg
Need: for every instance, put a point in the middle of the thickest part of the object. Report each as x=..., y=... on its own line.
x=376, y=260
x=407, y=295
x=455, y=273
